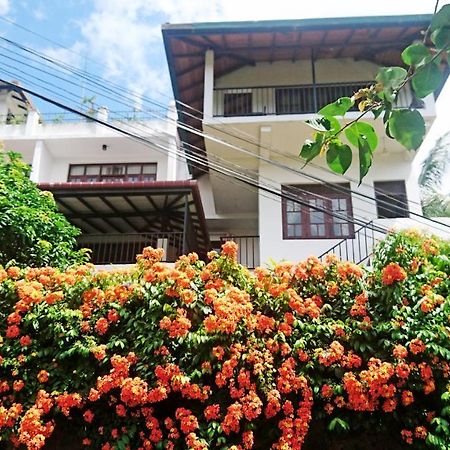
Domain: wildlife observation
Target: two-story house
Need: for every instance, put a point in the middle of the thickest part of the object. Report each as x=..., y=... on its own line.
x=249, y=87
x=243, y=92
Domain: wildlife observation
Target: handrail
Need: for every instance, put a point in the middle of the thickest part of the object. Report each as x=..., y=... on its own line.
x=359, y=254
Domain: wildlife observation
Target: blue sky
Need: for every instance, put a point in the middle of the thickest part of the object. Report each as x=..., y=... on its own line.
x=121, y=39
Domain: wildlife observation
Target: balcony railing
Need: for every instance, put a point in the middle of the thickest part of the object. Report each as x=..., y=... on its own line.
x=123, y=248
x=279, y=100
x=56, y=118
x=248, y=253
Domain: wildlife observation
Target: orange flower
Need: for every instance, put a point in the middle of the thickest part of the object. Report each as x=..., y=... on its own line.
x=392, y=273
x=101, y=326
x=416, y=346
x=25, y=341
x=42, y=376
x=12, y=331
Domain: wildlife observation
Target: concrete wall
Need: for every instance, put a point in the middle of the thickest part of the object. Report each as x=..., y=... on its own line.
x=386, y=167
x=281, y=73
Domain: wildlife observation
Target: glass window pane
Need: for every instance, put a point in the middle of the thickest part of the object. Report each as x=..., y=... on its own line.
x=76, y=170
x=149, y=168
x=92, y=170
x=291, y=230
x=294, y=218
x=134, y=169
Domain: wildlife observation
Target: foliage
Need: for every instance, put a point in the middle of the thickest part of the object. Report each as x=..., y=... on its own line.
x=210, y=356
x=405, y=125
x=32, y=232
x=434, y=167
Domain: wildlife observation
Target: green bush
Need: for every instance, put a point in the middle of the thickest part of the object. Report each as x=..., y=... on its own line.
x=196, y=356
x=32, y=232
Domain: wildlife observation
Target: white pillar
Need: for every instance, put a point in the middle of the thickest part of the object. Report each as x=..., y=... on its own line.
x=41, y=164
x=32, y=122
x=208, y=95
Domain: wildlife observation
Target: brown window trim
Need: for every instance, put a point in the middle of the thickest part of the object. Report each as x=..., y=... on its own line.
x=313, y=191
x=112, y=178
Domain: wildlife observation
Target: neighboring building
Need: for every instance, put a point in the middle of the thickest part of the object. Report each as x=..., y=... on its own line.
x=123, y=194
x=256, y=83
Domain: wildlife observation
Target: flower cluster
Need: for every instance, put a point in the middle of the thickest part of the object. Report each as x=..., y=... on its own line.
x=208, y=355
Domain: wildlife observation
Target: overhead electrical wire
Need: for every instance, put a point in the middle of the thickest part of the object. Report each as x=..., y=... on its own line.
x=141, y=97
x=293, y=189
x=190, y=129
x=219, y=169
x=88, y=77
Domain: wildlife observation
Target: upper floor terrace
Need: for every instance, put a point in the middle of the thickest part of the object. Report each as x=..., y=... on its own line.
x=281, y=70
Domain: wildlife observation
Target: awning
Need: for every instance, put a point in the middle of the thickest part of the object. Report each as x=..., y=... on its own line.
x=133, y=207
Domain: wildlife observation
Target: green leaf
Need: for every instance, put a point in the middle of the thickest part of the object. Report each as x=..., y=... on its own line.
x=426, y=80
x=441, y=18
x=362, y=130
x=338, y=108
x=415, y=54
x=310, y=150
x=365, y=158
x=338, y=424
x=407, y=127
x=441, y=37
x=328, y=123
x=391, y=77
x=339, y=157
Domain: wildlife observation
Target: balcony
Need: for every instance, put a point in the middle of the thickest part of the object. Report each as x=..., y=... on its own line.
x=283, y=100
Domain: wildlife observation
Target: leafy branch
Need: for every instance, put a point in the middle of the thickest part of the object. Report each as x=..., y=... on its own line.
x=405, y=125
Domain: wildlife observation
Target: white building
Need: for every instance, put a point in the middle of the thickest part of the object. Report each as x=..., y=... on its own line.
x=243, y=92
x=256, y=84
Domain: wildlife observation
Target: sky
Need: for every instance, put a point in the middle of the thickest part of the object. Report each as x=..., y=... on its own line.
x=121, y=39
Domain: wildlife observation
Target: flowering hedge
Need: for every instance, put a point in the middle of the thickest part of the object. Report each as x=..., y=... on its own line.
x=210, y=356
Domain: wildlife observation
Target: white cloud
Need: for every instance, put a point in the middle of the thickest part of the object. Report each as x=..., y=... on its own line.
x=125, y=36
x=4, y=7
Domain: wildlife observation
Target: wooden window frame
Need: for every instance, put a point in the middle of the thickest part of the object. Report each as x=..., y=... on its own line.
x=126, y=177
x=381, y=189
x=316, y=191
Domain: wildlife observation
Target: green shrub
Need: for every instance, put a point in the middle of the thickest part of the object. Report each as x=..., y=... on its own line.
x=209, y=355
x=32, y=231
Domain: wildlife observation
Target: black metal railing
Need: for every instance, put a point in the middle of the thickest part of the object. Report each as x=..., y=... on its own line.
x=248, y=253
x=298, y=99
x=358, y=249
x=122, y=248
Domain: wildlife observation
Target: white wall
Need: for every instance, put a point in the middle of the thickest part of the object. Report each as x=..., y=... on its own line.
x=386, y=167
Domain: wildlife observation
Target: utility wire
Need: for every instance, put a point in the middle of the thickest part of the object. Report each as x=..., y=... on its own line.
x=292, y=189
x=254, y=183
x=195, y=130
x=140, y=97
x=335, y=187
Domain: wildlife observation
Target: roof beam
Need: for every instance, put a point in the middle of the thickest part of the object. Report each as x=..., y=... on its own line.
x=87, y=205
x=89, y=222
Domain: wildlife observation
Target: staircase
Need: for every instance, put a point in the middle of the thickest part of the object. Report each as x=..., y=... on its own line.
x=358, y=248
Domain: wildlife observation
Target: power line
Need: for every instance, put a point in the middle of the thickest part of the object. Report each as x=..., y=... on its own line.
x=255, y=184
x=293, y=189
x=330, y=185
x=386, y=194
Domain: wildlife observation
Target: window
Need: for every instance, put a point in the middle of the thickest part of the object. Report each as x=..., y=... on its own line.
x=391, y=199
x=90, y=173
x=320, y=212
x=237, y=104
